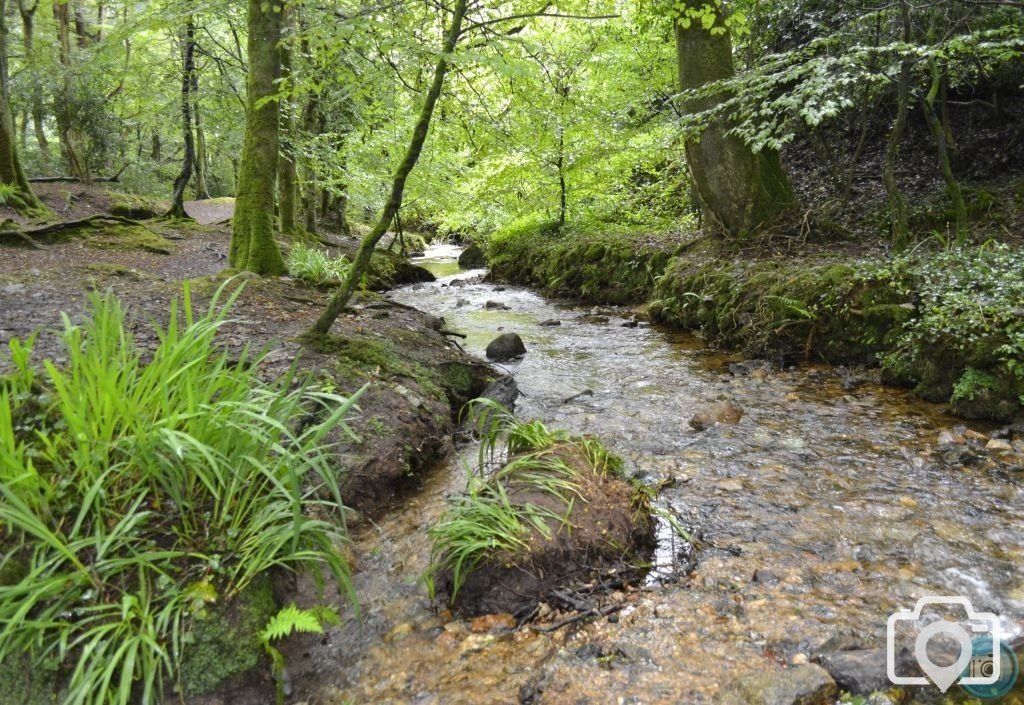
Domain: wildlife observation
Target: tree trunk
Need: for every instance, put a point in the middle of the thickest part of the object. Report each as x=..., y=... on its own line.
x=341, y=297
x=287, y=179
x=310, y=121
x=65, y=129
x=940, y=135
x=897, y=205
x=28, y=13
x=253, y=246
x=202, y=157
x=736, y=188
x=11, y=172
x=188, y=65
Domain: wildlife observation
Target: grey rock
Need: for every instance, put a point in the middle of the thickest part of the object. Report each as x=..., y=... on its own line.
x=506, y=346
x=808, y=684
x=551, y=322
x=503, y=390
x=496, y=306
x=859, y=672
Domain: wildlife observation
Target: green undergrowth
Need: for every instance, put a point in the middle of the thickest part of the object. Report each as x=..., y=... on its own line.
x=146, y=499
x=946, y=321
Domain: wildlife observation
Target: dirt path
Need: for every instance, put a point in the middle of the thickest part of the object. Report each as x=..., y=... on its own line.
x=214, y=210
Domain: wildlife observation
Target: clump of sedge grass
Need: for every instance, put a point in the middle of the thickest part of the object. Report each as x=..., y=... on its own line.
x=312, y=265
x=484, y=521
x=136, y=490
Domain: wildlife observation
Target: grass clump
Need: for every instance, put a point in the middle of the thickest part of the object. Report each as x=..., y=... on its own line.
x=312, y=265
x=138, y=490
x=492, y=519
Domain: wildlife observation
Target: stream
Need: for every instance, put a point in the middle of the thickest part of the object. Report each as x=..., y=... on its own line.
x=826, y=508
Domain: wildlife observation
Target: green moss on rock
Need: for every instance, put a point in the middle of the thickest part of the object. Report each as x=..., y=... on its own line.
x=224, y=642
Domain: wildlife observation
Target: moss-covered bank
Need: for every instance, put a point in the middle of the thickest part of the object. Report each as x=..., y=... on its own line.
x=947, y=323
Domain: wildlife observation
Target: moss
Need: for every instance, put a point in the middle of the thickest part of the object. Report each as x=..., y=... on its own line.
x=225, y=641
x=126, y=237
x=23, y=684
x=135, y=207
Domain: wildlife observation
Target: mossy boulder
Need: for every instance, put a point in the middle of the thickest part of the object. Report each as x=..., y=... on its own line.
x=980, y=394
x=128, y=205
x=472, y=257
x=565, y=514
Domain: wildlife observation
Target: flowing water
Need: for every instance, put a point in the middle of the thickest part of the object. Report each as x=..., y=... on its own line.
x=826, y=508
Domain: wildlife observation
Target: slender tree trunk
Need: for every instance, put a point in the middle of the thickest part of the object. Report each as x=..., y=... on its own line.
x=341, y=297
x=287, y=178
x=154, y=147
x=202, y=156
x=11, y=172
x=77, y=167
x=253, y=246
x=560, y=165
x=28, y=13
x=897, y=205
x=939, y=134
x=736, y=188
x=188, y=56
x=310, y=121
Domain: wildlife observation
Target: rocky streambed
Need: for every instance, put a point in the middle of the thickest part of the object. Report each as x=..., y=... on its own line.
x=829, y=504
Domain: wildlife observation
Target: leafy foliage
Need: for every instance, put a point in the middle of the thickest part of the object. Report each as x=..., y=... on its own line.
x=137, y=488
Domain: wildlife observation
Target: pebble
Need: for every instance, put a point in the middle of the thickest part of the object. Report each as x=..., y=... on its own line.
x=999, y=445
x=947, y=437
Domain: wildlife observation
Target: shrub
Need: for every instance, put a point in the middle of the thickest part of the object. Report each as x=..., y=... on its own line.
x=136, y=489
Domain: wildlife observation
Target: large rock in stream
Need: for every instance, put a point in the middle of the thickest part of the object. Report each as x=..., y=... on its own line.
x=567, y=516
x=808, y=684
x=507, y=346
x=472, y=257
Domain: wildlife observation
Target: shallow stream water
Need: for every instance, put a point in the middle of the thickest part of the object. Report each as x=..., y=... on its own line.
x=826, y=508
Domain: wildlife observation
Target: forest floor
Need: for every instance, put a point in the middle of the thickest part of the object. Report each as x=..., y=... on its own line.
x=417, y=380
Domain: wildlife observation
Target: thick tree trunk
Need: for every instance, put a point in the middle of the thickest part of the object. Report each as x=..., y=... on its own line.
x=11, y=172
x=341, y=297
x=736, y=188
x=253, y=247
x=188, y=65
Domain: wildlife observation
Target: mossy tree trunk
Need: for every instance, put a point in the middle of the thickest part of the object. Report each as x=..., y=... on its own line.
x=188, y=67
x=736, y=188
x=11, y=172
x=253, y=247
x=344, y=292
